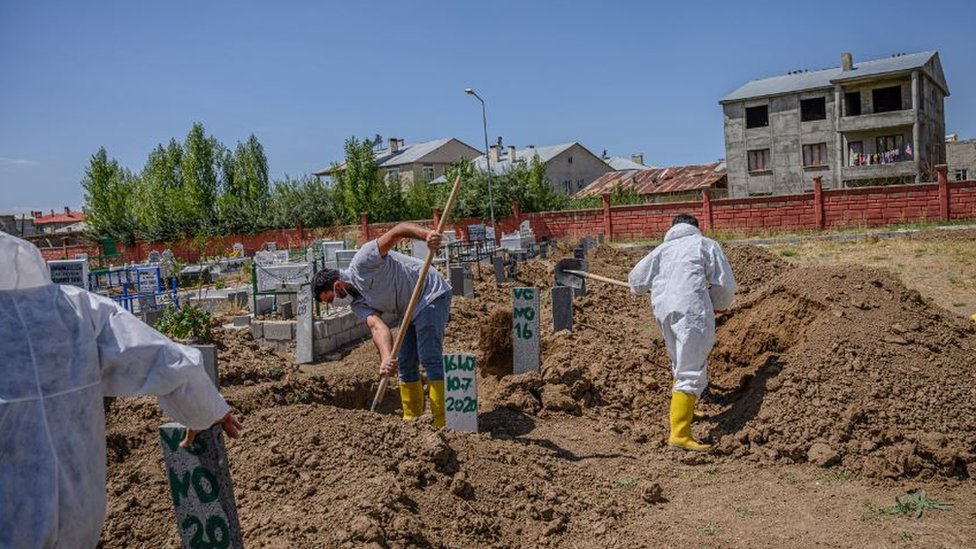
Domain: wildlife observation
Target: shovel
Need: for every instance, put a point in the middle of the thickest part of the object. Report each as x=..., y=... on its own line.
x=571, y=272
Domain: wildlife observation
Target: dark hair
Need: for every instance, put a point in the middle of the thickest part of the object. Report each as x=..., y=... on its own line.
x=685, y=218
x=324, y=281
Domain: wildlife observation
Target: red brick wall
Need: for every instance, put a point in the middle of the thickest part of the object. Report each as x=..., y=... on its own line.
x=868, y=206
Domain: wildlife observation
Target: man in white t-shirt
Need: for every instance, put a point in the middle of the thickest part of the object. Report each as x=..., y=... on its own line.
x=380, y=281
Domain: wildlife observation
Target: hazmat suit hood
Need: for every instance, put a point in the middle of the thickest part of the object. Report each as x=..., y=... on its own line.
x=23, y=265
x=63, y=349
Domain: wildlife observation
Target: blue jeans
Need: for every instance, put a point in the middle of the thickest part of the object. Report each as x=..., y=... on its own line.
x=424, y=342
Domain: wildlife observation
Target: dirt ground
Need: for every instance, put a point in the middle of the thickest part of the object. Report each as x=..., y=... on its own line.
x=835, y=389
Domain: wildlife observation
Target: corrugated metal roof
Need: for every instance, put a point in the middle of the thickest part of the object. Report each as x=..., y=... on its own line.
x=659, y=180
x=408, y=154
x=789, y=83
x=620, y=163
x=545, y=153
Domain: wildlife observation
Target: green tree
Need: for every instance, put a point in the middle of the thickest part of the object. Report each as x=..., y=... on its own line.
x=307, y=202
x=201, y=170
x=358, y=185
x=245, y=189
x=109, y=196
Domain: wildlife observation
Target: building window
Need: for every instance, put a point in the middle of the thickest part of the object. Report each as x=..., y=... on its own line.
x=579, y=184
x=962, y=175
x=428, y=172
x=852, y=103
x=886, y=99
x=921, y=94
x=815, y=156
x=392, y=173
x=813, y=109
x=759, y=161
x=567, y=186
x=757, y=117
x=855, y=153
x=889, y=143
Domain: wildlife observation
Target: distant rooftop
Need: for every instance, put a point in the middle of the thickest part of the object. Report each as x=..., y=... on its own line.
x=649, y=181
x=811, y=80
x=405, y=154
x=620, y=163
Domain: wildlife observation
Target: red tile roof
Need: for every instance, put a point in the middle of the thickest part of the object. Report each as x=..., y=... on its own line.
x=659, y=180
x=72, y=217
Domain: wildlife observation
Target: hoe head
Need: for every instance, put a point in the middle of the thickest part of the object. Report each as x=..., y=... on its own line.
x=571, y=272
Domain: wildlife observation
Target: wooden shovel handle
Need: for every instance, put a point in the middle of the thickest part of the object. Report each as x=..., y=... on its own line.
x=598, y=277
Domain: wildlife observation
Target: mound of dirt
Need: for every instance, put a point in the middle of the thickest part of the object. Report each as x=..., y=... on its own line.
x=495, y=343
x=753, y=266
x=845, y=365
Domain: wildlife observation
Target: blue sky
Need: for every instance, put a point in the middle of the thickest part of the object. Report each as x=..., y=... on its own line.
x=303, y=76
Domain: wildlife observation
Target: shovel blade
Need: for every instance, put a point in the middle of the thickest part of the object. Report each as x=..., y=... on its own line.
x=565, y=278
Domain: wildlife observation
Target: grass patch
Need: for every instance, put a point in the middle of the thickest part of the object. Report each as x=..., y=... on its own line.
x=913, y=503
x=744, y=512
x=958, y=304
x=708, y=529
x=626, y=484
x=787, y=252
x=908, y=537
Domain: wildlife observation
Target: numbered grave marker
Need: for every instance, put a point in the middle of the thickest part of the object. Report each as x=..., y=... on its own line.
x=525, y=330
x=461, y=400
x=303, y=329
x=200, y=485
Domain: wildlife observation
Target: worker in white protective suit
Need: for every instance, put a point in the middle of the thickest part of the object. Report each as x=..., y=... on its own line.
x=689, y=279
x=62, y=349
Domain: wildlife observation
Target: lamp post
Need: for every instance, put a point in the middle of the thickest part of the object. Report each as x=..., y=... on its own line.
x=484, y=122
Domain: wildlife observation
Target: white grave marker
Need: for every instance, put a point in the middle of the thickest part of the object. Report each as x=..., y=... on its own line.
x=461, y=400
x=73, y=272
x=525, y=330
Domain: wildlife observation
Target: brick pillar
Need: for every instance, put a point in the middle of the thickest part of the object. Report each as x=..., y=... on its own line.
x=517, y=212
x=607, y=221
x=437, y=217
x=818, y=203
x=706, y=210
x=364, y=226
x=943, y=192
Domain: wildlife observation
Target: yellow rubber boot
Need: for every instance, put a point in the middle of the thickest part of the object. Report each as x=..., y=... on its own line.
x=412, y=399
x=682, y=409
x=437, y=402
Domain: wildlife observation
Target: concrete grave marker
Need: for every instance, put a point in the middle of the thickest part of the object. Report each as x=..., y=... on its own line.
x=477, y=233
x=344, y=258
x=461, y=399
x=579, y=251
x=271, y=246
x=330, y=247
x=562, y=308
x=147, y=279
x=71, y=272
x=238, y=249
x=270, y=277
x=499, y=265
x=264, y=257
x=154, y=257
x=303, y=329
x=544, y=250
x=280, y=257
x=200, y=485
x=462, y=283
x=525, y=330
x=600, y=238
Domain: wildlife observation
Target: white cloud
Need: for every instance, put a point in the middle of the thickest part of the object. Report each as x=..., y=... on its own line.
x=5, y=161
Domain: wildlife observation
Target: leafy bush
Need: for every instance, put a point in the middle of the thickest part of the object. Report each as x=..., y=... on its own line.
x=190, y=323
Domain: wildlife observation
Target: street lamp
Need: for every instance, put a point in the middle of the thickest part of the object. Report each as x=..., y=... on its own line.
x=484, y=122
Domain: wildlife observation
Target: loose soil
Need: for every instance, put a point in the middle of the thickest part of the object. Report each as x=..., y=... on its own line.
x=833, y=390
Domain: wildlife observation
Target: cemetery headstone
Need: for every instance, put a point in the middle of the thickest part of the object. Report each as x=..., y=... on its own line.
x=280, y=256
x=271, y=277
x=525, y=330
x=600, y=238
x=544, y=250
x=303, y=328
x=201, y=488
x=562, y=308
x=209, y=354
x=330, y=247
x=271, y=246
x=579, y=252
x=264, y=257
x=71, y=272
x=499, y=265
x=154, y=257
x=238, y=249
x=461, y=398
x=344, y=258
x=477, y=233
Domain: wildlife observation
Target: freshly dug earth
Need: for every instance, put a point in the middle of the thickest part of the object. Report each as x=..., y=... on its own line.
x=834, y=366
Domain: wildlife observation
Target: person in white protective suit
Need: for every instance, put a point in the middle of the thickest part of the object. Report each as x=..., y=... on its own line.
x=62, y=349
x=689, y=279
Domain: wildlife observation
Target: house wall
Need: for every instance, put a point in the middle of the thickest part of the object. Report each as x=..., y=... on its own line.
x=786, y=135
x=576, y=165
x=961, y=156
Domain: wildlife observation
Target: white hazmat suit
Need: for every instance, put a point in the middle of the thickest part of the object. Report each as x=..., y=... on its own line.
x=62, y=349
x=689, y=279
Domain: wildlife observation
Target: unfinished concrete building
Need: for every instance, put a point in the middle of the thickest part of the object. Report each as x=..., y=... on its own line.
x=870, y=123
x=961, y=158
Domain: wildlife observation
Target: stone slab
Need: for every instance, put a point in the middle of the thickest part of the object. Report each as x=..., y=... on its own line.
x=264, y=304
x=499, y=265
x=303, y=327
x=257, y=330
x=526, y=349
x=271, y=277
x=73, y=272
x=242, y=320
x=562, y=308
x=286, y=309
x=209, y=353
x=201, y=488
x=461, y=395
x=279, y=331
x=344, y=257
